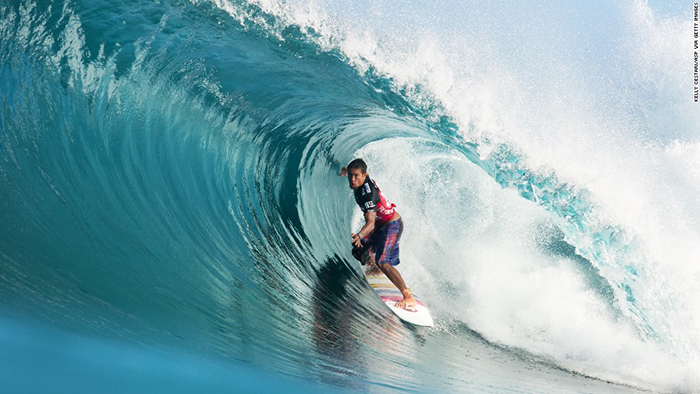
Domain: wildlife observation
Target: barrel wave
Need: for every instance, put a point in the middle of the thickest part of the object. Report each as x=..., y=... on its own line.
x=173, y=219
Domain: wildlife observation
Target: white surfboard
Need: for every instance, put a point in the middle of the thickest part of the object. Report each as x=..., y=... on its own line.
x=418, y=315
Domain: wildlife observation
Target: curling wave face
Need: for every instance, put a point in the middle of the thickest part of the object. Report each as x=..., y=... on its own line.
x=169, y=178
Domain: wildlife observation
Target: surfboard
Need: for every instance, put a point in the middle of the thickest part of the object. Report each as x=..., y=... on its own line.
x=390, y=295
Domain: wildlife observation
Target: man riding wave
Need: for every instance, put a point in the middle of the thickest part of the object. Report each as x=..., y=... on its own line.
x=377, y=242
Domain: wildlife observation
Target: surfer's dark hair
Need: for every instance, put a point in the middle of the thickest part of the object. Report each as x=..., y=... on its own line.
x=358, y=163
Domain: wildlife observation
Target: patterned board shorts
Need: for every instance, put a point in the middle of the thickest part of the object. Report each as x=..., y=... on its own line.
x=385, y=243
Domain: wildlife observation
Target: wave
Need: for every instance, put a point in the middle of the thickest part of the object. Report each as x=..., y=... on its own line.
x=169, y=178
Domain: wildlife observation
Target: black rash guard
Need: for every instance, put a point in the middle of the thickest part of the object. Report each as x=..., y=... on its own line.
x=370, y=198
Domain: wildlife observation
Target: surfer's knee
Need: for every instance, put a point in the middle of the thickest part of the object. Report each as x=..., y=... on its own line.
x=368, y=257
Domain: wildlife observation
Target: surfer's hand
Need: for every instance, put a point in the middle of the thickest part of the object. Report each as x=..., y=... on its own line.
x=356, y=240
x=343, y=171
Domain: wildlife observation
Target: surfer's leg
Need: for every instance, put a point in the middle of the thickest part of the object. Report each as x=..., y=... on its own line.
x=387, y=256
x=368, y=257
x=364, y=254
x=395, y=277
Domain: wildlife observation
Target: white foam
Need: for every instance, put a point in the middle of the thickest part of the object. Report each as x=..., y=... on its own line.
x=470, y=248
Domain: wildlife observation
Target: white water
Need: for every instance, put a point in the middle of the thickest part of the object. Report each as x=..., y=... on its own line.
x=474, y=251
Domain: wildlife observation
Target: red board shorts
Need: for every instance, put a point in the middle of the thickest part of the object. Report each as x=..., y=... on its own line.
x=385, y=243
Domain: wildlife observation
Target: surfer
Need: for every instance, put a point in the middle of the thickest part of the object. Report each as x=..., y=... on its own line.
x=377, y=242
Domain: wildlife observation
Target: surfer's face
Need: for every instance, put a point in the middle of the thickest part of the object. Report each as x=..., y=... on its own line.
x=356, y=178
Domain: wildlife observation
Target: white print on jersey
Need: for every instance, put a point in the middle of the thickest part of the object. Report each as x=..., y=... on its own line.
x=383, y=211
x=369, y=204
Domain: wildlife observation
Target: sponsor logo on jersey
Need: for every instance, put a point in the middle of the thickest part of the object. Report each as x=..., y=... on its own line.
x=384, y=211
x=369, y=204
x=366, y=189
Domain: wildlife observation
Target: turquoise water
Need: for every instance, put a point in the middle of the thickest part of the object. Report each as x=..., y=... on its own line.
x=172, y=219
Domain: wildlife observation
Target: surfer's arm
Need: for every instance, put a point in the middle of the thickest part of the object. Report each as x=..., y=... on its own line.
x=369, y=224
x=366, y=229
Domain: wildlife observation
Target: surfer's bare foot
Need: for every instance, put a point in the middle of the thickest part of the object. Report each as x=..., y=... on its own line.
x=407, y=302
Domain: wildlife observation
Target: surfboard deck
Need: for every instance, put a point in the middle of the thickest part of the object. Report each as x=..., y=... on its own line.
x=390, y=295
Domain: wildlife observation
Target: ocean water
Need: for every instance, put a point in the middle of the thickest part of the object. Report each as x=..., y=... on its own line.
x=172, y=219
